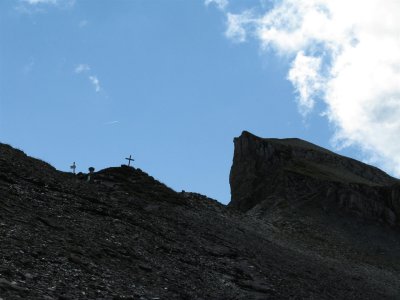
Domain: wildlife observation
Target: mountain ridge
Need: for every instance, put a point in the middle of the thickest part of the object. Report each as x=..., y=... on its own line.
x=299, y=143
x=263, y=169
x=127, y=236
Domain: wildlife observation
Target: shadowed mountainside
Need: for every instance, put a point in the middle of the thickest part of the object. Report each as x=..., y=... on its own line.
x=128, y=236
x=268, y=174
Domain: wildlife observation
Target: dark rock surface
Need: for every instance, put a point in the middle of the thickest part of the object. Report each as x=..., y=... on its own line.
x=127, y=236
x=268, y=174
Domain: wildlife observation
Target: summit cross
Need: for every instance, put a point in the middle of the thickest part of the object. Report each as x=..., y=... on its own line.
x=73, y=167
x=129, y=160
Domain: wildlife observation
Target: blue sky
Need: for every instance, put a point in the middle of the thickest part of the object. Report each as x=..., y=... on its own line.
x=170, y=82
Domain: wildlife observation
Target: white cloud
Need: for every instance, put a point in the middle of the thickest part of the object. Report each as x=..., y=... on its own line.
x=236, y=26
x=346, y=54
x=221, y=4
x=35, y=2
x=85, y=69
x=40, y=6
x=60, y=3
x=304, y=74
x=96, y=83
x=81, y=68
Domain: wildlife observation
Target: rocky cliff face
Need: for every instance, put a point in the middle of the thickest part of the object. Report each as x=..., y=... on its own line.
x=273, y=175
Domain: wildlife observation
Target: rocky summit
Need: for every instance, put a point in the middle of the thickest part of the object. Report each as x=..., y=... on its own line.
x=303, y=223
x=273, y=175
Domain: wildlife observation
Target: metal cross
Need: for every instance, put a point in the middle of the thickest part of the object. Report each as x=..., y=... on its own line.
x=129, y=160
x=73, y=167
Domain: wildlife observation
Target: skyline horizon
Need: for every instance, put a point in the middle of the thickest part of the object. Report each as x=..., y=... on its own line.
x=180, y=190
x=174, y=82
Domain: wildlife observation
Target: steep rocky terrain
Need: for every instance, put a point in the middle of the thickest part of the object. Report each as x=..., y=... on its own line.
x=127, y=236
x=319, y=202
x=270, y=173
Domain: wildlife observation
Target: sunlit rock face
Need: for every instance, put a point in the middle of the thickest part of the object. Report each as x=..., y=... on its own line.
x=269, y=176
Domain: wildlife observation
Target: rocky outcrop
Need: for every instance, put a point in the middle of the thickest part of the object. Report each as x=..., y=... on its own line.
x=270, y=175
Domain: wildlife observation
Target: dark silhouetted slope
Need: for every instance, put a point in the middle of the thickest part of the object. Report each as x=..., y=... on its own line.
x=128, y=236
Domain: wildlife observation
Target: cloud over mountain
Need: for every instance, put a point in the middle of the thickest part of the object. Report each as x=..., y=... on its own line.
x=345, y=54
